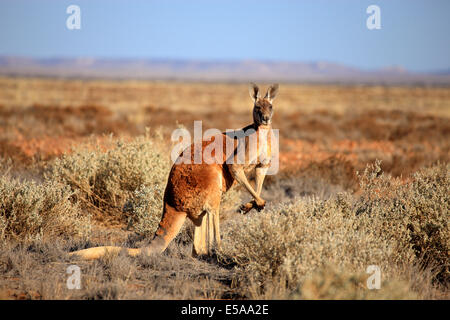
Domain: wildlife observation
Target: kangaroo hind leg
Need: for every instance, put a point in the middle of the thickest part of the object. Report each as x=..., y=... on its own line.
x=169, y=227
x=206, y=233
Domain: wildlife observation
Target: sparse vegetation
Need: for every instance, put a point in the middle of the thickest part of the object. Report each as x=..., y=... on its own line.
x=39, y=211
x=388, y=224
x=106, y=179
x=80, y=170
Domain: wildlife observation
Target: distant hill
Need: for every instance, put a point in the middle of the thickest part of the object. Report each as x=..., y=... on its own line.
x=245, y=70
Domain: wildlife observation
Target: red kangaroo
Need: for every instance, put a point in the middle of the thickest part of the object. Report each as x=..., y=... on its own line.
x=194, y=191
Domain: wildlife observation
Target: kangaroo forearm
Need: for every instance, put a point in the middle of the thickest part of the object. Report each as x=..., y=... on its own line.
x=241, y=178
x=260, y=175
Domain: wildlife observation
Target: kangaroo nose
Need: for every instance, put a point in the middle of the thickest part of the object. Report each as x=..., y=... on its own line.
x=265, y=118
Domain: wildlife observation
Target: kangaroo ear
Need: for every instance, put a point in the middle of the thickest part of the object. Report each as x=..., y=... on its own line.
x=272, y=92
x=254, y=91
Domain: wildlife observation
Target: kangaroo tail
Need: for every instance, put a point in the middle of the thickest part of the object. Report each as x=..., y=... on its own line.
x=168, y=228
x=98, y=252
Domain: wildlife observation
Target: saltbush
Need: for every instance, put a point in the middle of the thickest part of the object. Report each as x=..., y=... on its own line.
x=39, y=211
x=388, y=222
x=107, y=179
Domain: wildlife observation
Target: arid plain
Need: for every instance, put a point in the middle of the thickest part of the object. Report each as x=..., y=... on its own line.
x=363, y=180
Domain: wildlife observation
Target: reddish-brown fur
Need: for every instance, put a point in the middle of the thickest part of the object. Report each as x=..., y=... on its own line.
x=194, y=191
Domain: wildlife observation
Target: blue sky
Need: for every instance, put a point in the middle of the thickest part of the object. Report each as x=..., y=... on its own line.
x=413, y=34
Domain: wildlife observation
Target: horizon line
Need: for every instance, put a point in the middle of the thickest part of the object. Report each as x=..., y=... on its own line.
x=227, y=60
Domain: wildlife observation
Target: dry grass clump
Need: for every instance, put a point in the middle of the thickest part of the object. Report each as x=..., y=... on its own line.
x=388, y=223
x=32, y=211
x=106, y=179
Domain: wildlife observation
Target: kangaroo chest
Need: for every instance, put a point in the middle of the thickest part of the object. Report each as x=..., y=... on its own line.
x=257, y=149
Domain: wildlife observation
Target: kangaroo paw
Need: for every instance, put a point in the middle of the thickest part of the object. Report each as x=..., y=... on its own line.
x=245, y=208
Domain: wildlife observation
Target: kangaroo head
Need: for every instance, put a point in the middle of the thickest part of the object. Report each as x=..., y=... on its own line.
x=262, y=108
